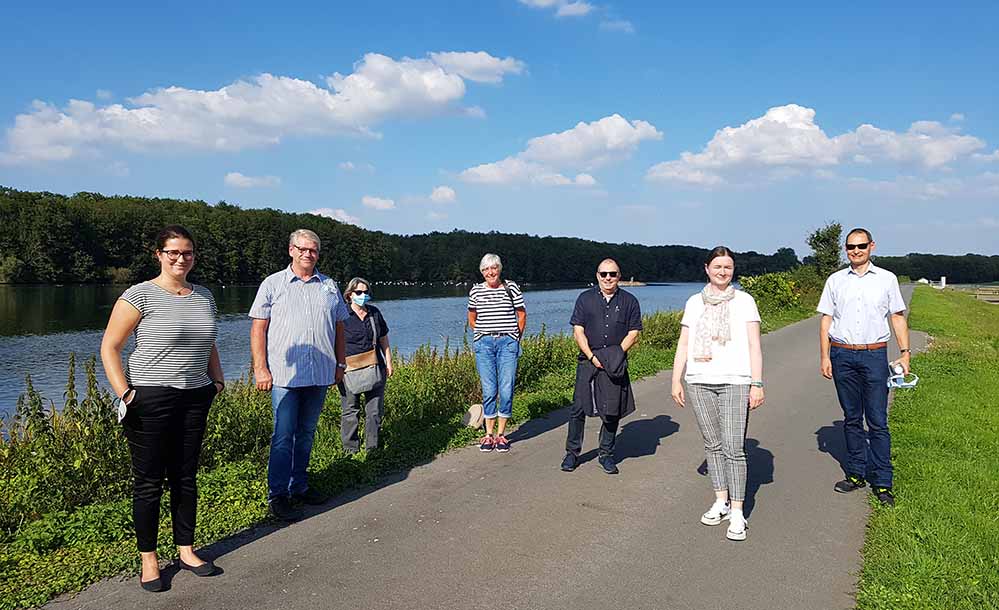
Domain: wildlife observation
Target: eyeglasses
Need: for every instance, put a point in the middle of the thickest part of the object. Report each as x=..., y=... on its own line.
x=862, y=246
x=173, y=255
x=607, y=273
x=360, y=292
x=312, y=251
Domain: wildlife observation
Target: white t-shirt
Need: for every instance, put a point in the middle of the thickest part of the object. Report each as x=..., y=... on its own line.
x=730, y=362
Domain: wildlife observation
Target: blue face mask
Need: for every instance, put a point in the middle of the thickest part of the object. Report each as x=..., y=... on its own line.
x=360, y=299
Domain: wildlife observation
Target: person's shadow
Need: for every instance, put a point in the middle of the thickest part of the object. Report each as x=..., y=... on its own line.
x=830, y=440
x=643, y=436
x=760, y=471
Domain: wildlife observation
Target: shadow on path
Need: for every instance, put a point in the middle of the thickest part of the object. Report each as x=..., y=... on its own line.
x=830, y=440
x=643, y=436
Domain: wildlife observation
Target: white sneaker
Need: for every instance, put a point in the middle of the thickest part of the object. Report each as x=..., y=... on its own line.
x=737, y=527
x=716, y=514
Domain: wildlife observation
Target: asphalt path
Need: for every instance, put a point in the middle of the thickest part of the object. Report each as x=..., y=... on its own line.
x=511, y=531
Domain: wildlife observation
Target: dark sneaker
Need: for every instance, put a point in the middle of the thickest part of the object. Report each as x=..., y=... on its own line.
x=502, y=445
x=850, y=483
x=884, y=495
x=486, y=444
x=310, y=496
x=569, y=462
x=607, y=463
x=282, y=510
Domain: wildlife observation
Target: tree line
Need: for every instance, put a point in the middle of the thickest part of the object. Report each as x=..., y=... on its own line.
x=88, y=237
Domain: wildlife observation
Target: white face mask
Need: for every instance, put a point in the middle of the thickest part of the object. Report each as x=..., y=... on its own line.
x=897, y=379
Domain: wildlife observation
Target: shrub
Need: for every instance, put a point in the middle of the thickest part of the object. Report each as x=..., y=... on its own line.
x=771, y=290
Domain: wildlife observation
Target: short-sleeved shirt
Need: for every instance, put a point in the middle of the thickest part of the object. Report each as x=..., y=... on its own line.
x=606, y=322
x=302, y=332
x=360, y=335
x=174, y=337
x=730, y=362
x=860, y=304
x=495, y=310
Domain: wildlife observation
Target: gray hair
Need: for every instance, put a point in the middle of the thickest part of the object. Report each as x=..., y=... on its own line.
x=354, y=283
x=304, y=234
x=490, y=260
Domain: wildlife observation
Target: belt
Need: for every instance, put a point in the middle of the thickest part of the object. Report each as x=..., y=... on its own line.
x=859, y=346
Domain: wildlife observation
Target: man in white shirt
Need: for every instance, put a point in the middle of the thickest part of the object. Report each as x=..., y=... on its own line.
x=857, y=304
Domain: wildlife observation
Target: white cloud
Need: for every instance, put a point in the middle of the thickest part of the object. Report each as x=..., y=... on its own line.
x=584, y=147
x=238, y=180
x=994, y=156
x=563, y=8
x=350, y=166
x=260, y=111
x=957, y=117
x=479, y=66
x=573, y=9
x=337, y=214
x=788, y=137
x=377, y=203
x=443, y=194
x=618, y=25
x=104, y=94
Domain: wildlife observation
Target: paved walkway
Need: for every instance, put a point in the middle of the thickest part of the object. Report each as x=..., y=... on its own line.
x=512, y=531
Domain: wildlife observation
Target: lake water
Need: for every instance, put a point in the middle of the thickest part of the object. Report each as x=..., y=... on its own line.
x=41, y=325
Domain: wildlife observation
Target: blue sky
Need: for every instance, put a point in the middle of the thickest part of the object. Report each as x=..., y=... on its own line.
x=736, y=124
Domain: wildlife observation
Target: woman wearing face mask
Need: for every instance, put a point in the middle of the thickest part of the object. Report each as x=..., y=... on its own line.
x=719, y=346
x=360, y=330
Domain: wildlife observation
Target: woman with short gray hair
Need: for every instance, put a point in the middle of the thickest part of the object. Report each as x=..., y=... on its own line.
x=497, y=315
x=369, y=365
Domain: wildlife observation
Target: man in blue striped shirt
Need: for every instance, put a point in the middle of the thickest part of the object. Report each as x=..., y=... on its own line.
x=298, y=346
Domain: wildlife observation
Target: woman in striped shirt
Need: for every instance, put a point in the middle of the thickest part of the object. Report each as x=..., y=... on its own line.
x=497, y=314
x=172, y=376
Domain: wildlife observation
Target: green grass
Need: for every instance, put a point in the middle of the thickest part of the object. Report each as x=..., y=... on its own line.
x=939, y=547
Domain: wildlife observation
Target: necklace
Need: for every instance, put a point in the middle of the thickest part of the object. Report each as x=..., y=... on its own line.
x=178, y=291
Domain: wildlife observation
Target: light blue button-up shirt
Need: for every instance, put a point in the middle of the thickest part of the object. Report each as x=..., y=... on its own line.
x=860, y=304
x=302, y=332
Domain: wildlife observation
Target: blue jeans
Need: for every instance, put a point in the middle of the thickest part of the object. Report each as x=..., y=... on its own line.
x=296, y=414
x=496, y=361
x=861, y=378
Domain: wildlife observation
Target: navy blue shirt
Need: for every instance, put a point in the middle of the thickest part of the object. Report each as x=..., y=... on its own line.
x=358, y=333
x=606, y=322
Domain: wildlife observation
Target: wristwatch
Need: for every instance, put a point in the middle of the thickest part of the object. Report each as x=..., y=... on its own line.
x=341, y=365
x=756, y=384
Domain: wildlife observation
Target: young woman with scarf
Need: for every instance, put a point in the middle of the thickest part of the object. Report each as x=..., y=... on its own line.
x=719, y=347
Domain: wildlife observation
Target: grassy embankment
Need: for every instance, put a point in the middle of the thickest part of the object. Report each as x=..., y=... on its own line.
x=65, y=517
x=939, y=547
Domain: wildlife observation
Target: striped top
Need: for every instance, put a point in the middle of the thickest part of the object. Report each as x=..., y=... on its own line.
x=302, y=330
x=494, y=311
x=174, y=337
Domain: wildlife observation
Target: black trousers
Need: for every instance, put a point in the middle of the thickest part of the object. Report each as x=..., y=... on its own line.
x=164, y=427
x=577, y=424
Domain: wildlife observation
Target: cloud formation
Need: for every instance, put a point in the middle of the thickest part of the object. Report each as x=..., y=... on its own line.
x=238, y=180
x=563, y=8
x=584, y=147
x=337, y=214
x=443, y=194
x=787, y=138
x=377, y=203
x=259, y=111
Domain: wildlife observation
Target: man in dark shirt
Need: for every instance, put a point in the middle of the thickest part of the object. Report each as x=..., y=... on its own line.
x=606, y=321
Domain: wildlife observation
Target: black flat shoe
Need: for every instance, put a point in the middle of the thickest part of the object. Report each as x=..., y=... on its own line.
x=153, y=586
x=205, y=569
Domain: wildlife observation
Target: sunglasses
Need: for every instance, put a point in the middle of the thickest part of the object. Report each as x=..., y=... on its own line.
x=862, y=246
x=360, y=292
x=607, y=273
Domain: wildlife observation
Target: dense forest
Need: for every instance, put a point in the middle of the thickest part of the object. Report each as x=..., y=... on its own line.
x=47, y=238
x=88, y=237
